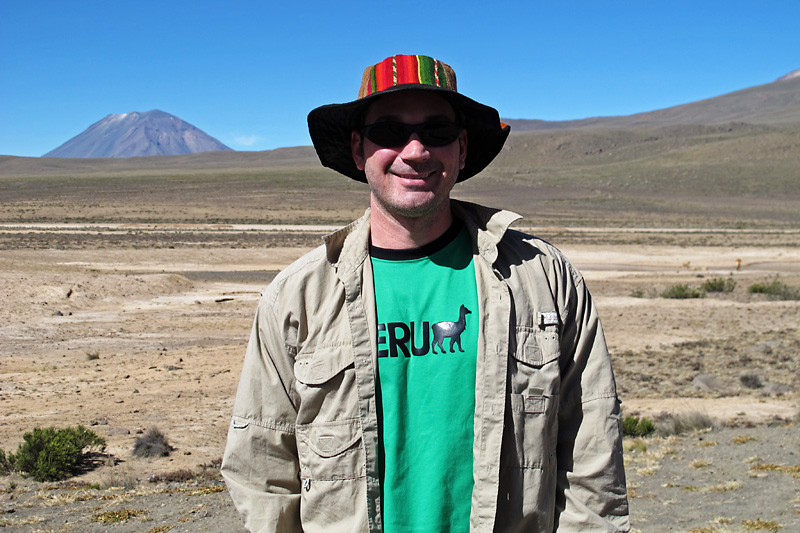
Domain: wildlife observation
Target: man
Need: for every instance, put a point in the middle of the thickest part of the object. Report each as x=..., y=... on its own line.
x=428, y=368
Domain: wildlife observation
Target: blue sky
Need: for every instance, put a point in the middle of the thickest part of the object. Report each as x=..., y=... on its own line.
x=248, y=72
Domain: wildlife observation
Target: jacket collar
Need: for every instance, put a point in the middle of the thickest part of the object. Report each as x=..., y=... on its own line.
x=486, y=225
x=348, y=247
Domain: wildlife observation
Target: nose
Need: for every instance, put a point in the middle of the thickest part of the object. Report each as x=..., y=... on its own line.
x=414, y=149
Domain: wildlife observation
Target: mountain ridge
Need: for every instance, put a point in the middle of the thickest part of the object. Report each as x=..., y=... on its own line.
x=138, y=134
x=774, y=103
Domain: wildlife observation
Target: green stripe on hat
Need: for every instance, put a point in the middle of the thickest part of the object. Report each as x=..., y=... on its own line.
x=373, y=81
x=426, y=66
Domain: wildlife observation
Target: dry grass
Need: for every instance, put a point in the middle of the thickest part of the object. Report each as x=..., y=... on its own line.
x=122, y=515
x=784, y=469
x=723, y=487
x=761, y=525
x=700, y=463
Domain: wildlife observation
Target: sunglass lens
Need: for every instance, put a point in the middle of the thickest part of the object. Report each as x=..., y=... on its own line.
x=387, y=134
x=439, y=133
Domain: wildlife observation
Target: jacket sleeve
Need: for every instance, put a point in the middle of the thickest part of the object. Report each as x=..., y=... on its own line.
x=591, y=476
x=260, y=465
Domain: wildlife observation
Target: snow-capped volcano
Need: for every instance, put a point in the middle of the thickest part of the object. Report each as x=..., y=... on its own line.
x=138, y=134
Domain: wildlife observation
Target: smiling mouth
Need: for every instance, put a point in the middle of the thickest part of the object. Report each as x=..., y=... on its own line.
x=414, y=175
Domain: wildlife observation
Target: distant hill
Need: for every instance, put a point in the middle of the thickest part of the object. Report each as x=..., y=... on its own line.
x=138, y=134
x=776, y=103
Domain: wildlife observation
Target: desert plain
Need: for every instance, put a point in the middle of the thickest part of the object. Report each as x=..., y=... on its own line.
x=127, y=300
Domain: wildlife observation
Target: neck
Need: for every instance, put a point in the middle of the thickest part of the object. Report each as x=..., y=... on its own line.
x=398, y=232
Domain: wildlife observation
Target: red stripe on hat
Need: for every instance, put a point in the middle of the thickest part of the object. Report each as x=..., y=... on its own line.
x=407, y=69
x=384, y=74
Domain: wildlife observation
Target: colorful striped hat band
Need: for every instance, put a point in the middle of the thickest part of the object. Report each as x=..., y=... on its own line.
x=406, y=70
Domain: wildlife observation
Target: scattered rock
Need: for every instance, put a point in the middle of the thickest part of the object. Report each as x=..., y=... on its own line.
x=776, y=389
x=706, y=383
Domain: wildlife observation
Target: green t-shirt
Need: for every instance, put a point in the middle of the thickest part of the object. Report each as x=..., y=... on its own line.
x=427, y=307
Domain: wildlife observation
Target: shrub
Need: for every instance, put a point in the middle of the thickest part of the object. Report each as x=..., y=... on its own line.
x=682, y=292
x=751, y=381
x=5, y=463
x=677, y=424
x=118, y=477
x=175, y=476
x=152, y=444
x=724, y=285
x=633, y=426
x=776, y=290
x=53, y=455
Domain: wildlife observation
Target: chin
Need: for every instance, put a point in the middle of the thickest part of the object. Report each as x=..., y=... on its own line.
x=418, y=208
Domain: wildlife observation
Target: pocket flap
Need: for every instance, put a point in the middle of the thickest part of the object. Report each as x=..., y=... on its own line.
x=240, y=423
x=537, y=347
x=530, y=404
x=318, y=367
x=328, y=439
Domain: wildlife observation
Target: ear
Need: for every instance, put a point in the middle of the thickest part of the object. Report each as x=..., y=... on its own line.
x=357, y=149
x=462, y=149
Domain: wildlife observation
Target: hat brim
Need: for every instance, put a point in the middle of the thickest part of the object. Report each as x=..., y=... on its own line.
x=331, y=127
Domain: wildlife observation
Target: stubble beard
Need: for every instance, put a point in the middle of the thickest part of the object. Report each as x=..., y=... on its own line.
x=404, y=205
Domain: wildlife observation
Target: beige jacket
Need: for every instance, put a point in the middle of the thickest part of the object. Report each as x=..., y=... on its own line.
x=303, y=445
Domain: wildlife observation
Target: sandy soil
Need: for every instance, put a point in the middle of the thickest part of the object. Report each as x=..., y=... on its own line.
x=123, y=333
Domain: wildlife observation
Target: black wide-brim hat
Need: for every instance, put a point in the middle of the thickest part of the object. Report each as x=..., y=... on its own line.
x=331, y=125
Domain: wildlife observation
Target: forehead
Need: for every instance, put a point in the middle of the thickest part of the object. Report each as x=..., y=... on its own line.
x=411, y=107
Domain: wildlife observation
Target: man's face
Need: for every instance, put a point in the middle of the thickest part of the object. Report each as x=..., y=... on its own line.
x=411, y=180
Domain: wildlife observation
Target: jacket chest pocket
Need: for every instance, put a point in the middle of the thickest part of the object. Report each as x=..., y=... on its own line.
x=329, y=442
x=534, y=380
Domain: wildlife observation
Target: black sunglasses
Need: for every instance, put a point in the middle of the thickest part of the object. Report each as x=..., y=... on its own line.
x=395, y=134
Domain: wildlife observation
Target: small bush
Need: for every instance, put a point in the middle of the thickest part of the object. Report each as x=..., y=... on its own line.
x=682, y=292
x=633, y=426
x=724, y=285
x=776, y=290
x=152, y=444
x=6, y=467
x=172, y=477
x=53, y=455
x=751, y=381
x=677, y=424
x=118, y=477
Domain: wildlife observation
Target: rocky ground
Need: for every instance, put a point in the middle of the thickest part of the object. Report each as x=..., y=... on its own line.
x=126, y=330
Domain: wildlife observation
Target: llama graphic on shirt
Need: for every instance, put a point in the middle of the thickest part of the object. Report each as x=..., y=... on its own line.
x=451, y=330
